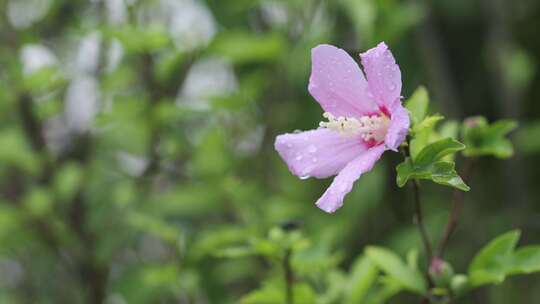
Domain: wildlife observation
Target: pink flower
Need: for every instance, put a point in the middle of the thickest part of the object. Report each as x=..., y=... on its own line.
x=365, y=118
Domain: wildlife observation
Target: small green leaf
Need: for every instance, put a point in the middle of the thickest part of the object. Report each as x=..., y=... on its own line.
x=392, y=265
x=412, y=258
x=404, y=171
x=527, y=259
x=494, y=261
x=417, y=105
x=273, y=293
x=437, y=150
x=363, y=276
x=428, y=165
x=423, y=134
x=483, y=139
x=243, y=47
x=235, y=252
x=443, y=173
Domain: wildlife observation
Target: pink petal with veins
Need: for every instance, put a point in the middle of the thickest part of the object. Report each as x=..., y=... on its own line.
x=318, y=153
x=383, y=75
x=332, y=199
x=338, y=84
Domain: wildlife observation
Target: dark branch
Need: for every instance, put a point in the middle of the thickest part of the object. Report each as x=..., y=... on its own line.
x=457, y=204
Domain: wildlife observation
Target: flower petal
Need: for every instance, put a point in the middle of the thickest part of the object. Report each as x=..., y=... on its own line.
x=332, y=199
x=319, y=153
x=399, y=126
x=338, y=84
x=383, y=74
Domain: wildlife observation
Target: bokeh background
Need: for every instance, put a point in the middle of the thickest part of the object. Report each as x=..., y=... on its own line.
x=136, y=145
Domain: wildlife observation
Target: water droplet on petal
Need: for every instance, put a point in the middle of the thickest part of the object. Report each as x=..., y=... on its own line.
x=314, y=159
x=312, y=149
x=299, y=157
x=289, y=145
x=304, y=177
x=297, y=131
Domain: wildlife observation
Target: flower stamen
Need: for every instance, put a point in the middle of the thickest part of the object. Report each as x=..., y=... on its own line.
x=372, y=127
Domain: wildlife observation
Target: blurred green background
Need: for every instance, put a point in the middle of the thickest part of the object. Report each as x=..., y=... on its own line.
x=136, y=146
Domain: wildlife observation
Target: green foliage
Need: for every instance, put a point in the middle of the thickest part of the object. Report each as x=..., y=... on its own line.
x=407, y=277
x=429, y=164
x=242, y=47
x=500, y=258
x=362, y=277
x=417, y=105
x=430, y=151
x=484, y=139
x=273, y=294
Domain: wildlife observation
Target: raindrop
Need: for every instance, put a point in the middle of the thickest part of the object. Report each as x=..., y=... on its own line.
x=289, y=145
x=314, y=159
x=392, y=87
x=299, y=157
x=297, y=131
x=304, y=177
x=312, y=149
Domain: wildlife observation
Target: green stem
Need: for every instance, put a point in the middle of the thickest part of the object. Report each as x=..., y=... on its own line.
x=289, y=277
x=457, y=204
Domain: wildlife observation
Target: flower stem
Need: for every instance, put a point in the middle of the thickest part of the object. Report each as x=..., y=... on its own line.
x=457, y=204
x=419, y=215
x=419, y=220
x=289, y=277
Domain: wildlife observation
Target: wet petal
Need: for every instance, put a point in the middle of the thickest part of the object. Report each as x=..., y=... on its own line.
x=319, y=153
x=332, y=199
x=399, y=126
x=383, y=74
x=338, y=84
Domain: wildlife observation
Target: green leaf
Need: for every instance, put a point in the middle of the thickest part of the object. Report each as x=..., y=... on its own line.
x=437, y=150
x=394, y=267
x=483, y=139
x=494, y=261
x=412, y=258
x=527, y=259
x=235, y=252
x=405, y=171
x=417, y=105
x=428, y=165
x=67, y=180
x=243, y=47
x=139, y=39
x=423, y=134
x=443, y=173
x=153, y=225
x=363, y=276
x=274, y=293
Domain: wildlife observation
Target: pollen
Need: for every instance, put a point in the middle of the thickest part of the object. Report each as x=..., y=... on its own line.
x=372, y=127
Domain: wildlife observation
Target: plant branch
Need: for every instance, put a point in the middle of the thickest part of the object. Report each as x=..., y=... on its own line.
x=289, y=277
x=457, y=204
x=419, y=220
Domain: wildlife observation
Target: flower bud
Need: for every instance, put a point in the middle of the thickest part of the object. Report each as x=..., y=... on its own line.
x=441, y=272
